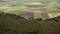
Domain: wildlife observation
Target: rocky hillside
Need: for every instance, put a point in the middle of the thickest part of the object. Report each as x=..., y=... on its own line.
x=13, y=24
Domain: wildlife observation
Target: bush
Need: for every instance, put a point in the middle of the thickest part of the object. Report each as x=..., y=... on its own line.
x=14, y=24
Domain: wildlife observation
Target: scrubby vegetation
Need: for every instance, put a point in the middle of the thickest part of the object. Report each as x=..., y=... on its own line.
x=14, y=24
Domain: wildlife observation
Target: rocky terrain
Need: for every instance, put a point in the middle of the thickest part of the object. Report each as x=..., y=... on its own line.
x=14, y=24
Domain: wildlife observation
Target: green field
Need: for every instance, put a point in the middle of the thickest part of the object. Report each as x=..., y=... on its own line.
x=18, y=9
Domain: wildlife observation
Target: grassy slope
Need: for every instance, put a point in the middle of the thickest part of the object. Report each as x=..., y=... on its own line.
x=36, y=13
